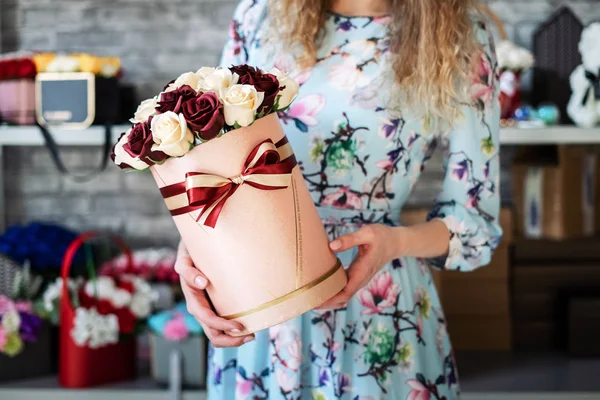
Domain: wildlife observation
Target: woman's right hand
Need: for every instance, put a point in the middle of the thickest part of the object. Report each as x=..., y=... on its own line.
x=193, y=284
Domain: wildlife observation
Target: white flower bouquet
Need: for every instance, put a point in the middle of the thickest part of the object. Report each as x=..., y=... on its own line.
x=98, y=320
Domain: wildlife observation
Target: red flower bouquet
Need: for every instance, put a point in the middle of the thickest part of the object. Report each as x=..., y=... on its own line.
x=98, y=322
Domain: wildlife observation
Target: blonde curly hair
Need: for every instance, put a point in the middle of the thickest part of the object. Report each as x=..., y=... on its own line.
x=432, y=45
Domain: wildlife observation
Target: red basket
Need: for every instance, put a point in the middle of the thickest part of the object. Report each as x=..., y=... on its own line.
x=81, y=367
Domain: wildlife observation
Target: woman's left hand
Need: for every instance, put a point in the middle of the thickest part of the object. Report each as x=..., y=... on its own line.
x=377, y=245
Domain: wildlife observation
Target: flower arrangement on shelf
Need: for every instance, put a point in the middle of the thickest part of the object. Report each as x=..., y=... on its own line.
x=41, y=245
x=175, y=325
x=106, y=308
x=105, y=67
x=512, y=61
x=198, y=107
x=19, y=324
x=17, y=66
x=152, y=264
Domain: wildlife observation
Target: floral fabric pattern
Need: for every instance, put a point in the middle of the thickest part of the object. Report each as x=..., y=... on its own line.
x=360, y=161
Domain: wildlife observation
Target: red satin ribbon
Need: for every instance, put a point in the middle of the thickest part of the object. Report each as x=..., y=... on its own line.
x=212, y=198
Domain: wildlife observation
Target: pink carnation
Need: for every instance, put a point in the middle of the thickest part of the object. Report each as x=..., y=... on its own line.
x=6, y=304
x=176, y=329
x=3, y=338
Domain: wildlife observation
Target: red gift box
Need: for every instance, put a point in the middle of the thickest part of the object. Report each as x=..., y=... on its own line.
x=82, y=367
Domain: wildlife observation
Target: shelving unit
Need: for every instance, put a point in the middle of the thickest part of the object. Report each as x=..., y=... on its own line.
x=94, y=136
x=550, y=135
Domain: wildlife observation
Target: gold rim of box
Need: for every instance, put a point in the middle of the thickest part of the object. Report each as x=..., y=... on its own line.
x=288, y=296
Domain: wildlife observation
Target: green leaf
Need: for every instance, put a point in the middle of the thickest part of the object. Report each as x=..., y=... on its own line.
x=236, y=125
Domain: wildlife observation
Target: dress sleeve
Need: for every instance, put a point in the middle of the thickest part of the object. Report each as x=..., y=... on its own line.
x=469, y=203
x=241, y=32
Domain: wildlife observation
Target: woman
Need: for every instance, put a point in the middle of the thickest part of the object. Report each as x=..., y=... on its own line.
x=381, y=82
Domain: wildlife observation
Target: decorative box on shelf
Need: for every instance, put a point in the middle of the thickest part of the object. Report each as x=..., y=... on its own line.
x=177, y=343
x=17, y=90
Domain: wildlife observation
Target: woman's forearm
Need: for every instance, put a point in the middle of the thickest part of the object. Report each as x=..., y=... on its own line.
x=426, y=240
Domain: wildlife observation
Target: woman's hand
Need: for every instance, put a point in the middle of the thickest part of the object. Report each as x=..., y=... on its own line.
x=193, y=284
x=377, y=245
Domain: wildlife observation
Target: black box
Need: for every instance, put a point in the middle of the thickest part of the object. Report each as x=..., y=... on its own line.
x=34, y=361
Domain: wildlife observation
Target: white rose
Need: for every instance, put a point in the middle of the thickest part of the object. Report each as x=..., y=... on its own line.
x=121, y=298
x=122, y=157
x=217, y=80
x=11, y=321
x=189, y=78
x=140, y=306
x=109, y=71
x=145, y=110
x=287, y=95
x=62, y=63
x=526, y=59
x=104, y=286
x=171, y=134
x=240, y=104
x=205, y=71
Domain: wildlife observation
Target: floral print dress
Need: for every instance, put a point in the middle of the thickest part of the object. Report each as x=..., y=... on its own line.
x=360, y=162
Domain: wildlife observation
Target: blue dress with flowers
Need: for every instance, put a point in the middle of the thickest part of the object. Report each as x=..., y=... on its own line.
x=360, y=161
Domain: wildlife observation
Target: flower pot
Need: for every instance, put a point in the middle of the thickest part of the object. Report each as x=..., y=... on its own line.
x=34, y=361
x=193, y=353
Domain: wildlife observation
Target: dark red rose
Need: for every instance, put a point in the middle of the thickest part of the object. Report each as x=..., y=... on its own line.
x=85, y=300
x=126, y=320
x=3, y=71
x=139, y=144
x=26, y=68
x=105, y=307
x=172, y=101
x=12, y=69
x=127, y=286
x=168, y=84
x=266, y=83
x=204, y=115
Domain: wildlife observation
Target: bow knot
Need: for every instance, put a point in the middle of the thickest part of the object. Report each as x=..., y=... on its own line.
x=238, y=179
x=268, y=167
x=594, y=86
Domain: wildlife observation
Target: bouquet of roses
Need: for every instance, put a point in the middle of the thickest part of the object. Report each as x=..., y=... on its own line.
x=17, y=66
x=18, y=324
x=105, y=308
x=152, y=264
x=106, y=67
x=200, y=106
x=220, y=157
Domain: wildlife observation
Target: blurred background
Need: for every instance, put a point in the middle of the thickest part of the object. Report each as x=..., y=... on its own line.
x=527, y=326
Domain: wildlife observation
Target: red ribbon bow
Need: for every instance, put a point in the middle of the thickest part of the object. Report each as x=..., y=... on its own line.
x=268, y=167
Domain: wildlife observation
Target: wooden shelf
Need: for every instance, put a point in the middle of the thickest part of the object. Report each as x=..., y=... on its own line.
x=94, y=136
x=550, y=135
x=31, y=136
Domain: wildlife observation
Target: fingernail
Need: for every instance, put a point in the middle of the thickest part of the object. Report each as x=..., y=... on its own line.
x=235, y=331
x=335, y=245
x=248, y=339
x=200, y=281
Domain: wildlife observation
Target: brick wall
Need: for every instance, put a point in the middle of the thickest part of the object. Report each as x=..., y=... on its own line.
x=142, y=33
